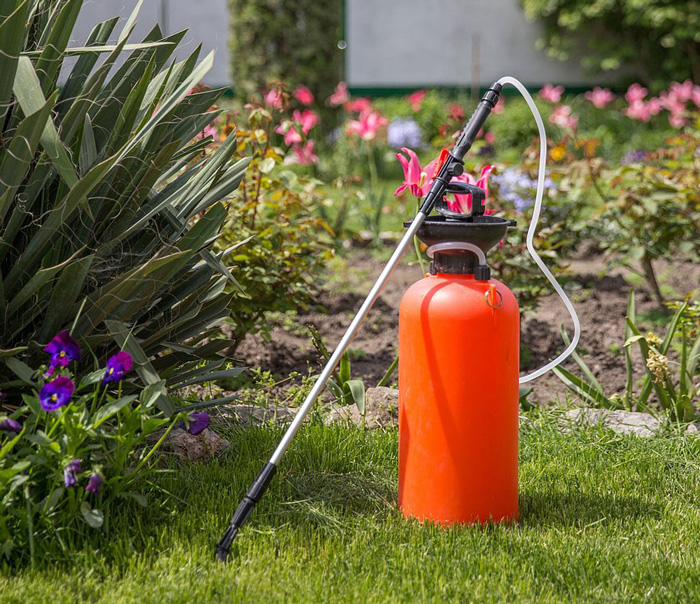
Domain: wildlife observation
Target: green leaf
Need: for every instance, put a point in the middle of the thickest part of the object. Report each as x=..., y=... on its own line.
x=27, y=89
x=21, y=370
x=88, y=149
x=356, y=388
x=585, y=391
x=95, y=518
x=143, y=366
x=104, y=413
x=12, y=31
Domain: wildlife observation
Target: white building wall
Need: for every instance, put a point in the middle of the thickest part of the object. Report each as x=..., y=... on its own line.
x=206, y=20
x=413, y=43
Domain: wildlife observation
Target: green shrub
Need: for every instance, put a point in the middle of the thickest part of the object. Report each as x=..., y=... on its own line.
x=655, y=41
x=654, y=207
x=276, y=211
x=295, y=42
x=109, y=203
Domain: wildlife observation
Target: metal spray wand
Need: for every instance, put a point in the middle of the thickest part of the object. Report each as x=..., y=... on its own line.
x=450, y=165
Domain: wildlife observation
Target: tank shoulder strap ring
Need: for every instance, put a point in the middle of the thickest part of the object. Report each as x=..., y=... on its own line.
x=500, y=299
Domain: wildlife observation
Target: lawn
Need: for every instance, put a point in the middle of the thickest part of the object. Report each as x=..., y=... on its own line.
x=604, y=517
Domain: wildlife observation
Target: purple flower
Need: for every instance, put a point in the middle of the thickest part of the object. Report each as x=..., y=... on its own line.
x=634, y=157
x=404, y=132
x=10, y=425
x=56, y=394
x=117, y=367
x=198, y=422
x=69, y=473
x=63, y=349
x=94, y=483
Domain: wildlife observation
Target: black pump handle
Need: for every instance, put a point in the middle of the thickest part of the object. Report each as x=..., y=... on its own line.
x=463, y=188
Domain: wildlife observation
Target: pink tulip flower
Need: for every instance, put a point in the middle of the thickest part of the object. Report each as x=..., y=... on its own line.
x=463, y=203
x=367, y=125
x=274, y=99
x=600, y=97
x=551, y=93
x=635, y=93
x=304, y=154
x=291, y=136
x=562, y=117
x=419, y=181
x=415, y=99
x=414, y=178
x=303, y=95
x=307, y=118
x=339, y=96
x=696, y=96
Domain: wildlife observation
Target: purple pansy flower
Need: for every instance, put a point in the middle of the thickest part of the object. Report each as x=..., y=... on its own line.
x=63, y=349
x=94, y=483
x=117, y=367
x=56, y=394
x=10, y=425
x=69, y=473
x=198, y=422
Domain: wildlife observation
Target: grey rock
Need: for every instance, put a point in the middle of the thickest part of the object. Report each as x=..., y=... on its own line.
x=381, y=409
x=693, y=429
x=623, y=422
x=202, y=447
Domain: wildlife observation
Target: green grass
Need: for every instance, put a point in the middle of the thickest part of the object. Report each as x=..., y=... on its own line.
x=604, y=517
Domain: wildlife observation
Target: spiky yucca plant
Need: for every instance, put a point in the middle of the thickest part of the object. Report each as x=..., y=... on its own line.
x=109, y=201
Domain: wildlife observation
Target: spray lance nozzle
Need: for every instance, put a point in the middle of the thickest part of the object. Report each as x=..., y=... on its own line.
x=450, y=163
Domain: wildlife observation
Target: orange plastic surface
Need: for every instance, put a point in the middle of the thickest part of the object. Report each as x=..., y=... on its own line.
x=458, y=401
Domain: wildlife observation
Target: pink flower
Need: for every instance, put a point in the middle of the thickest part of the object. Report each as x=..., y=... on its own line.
x=308, y=119
x=463, y=203
x=360, y=105
x=455, y=112
x=654, y=106
x=303, y=95
x=490, y=138
x=304, y=154
x=291, y=136
x=671, y=102
x=415, y=99
x=339, y=96
x=636, y=92
x=367, y=125
x=419, y=181
x=274, y=98
x=684, y=91
x=415, y=179
x=562, y=117
x=639, y=110
x=600, y=97
x=551, y=93
x=677, y=120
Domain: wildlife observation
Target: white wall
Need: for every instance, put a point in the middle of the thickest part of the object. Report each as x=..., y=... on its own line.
x=412, y=43
x=206, y=20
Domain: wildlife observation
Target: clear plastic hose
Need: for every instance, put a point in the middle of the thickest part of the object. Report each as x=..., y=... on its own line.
x=533, y=228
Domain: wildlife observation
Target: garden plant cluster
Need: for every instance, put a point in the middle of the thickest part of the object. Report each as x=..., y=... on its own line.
x=148, y=220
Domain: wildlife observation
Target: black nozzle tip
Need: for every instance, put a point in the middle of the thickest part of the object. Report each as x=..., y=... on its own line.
x=224, y=545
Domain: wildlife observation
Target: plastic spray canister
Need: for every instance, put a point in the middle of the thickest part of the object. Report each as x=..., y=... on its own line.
x=458, y=384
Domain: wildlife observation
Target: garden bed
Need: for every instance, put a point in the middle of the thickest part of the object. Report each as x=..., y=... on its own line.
x=599, y=295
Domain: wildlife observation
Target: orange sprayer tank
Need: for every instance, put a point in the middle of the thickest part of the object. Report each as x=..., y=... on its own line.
x=458, y=400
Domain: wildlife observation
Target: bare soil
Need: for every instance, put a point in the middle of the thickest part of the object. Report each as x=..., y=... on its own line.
x=599, y=296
